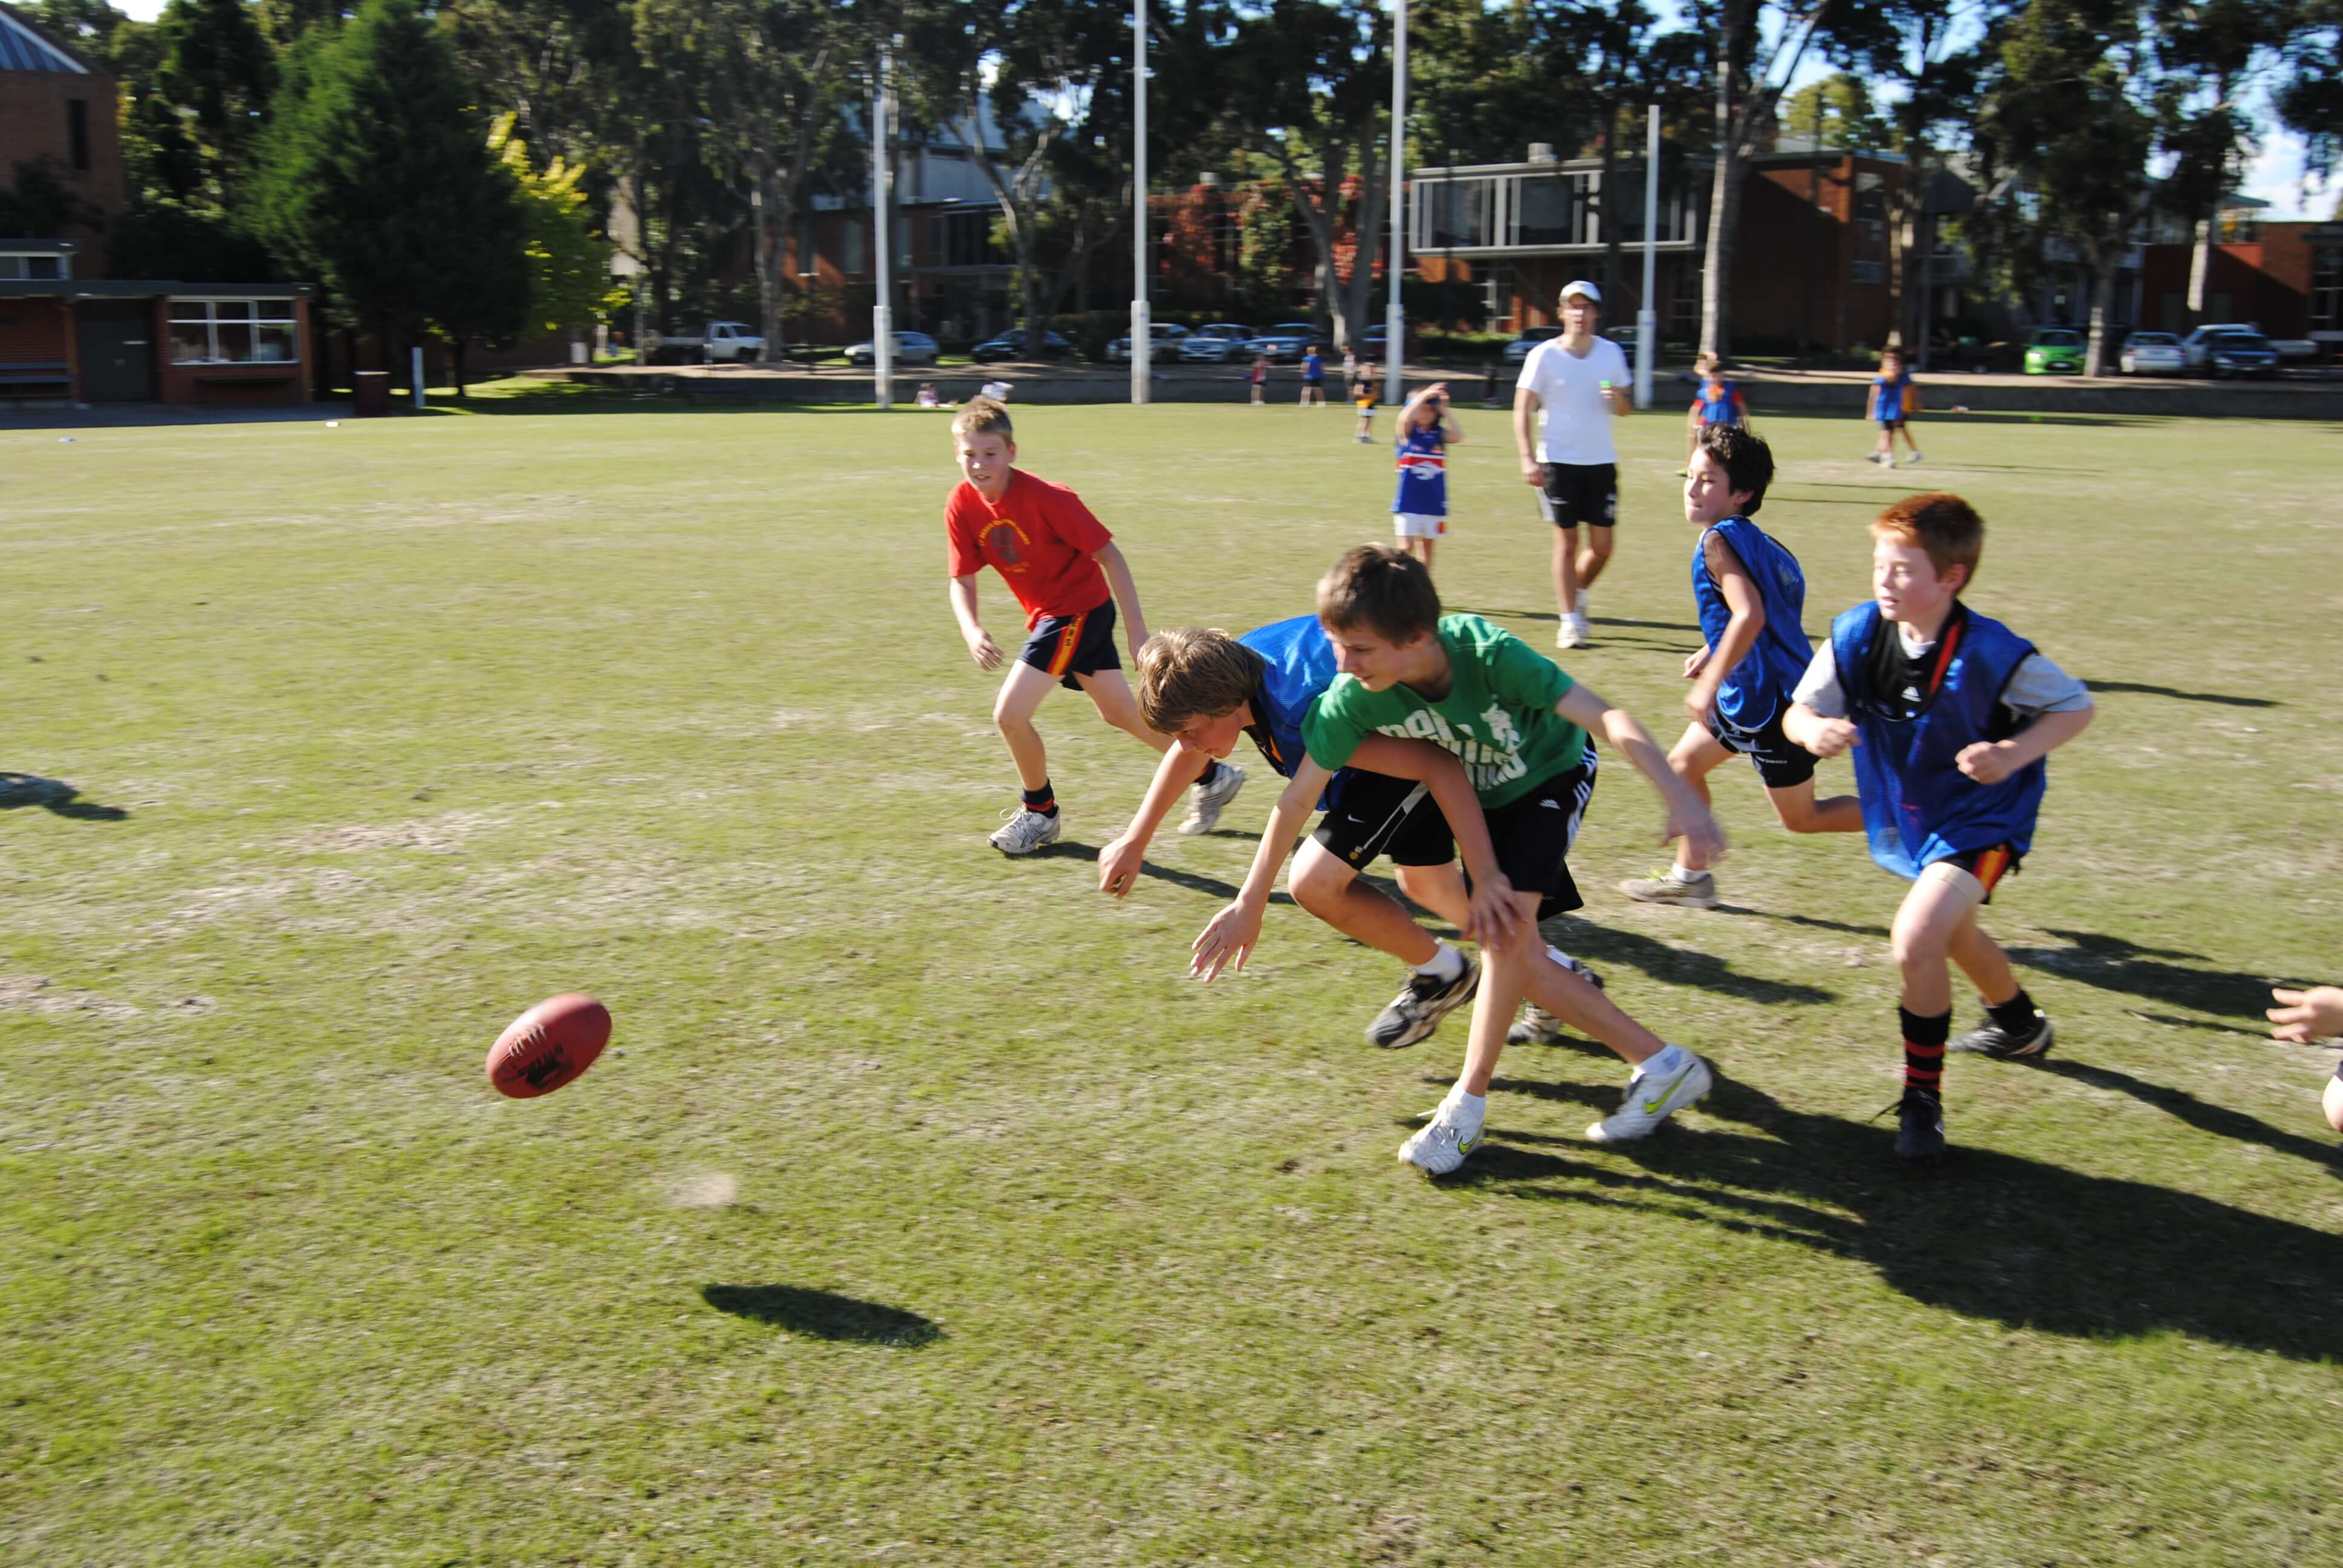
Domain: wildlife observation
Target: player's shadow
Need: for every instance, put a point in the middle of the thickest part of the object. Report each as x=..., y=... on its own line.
x=1598, y=621
x=1988, y=1235
x=53, y=796
x=1600, y=945
x=1818, y=922
x=2223, y=697
x=823, y=1314
x=1195, y=882
x=2113, y=963
x=2206, y=1117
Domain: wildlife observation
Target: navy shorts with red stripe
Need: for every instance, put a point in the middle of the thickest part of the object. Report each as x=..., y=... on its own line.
x=1067, y=645
x=1988, y=866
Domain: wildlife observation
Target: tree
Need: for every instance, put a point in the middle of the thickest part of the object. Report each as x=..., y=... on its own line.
x=375, y=173
x=2310, y=96
x=2064, y=137
x=2210, y=54
x=41, y=206
x=216, y=77
x=1836, y=112
x=569, y=263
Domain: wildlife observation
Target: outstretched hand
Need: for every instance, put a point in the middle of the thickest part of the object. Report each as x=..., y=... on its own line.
x=1229, y=936
x=1697, y=826
x=2308, y=1015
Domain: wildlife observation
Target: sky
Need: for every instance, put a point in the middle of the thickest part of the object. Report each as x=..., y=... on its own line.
x=2275, y=176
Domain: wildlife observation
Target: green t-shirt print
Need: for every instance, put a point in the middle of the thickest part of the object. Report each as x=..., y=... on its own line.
x=1498, y=717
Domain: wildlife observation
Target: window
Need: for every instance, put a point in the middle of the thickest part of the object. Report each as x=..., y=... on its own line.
x=78, y=132
x=854, y=262
x=1454, y=213
x=1498, y=296
x=233, y=332
x=965, y=238
x=23, y=267
x=2326, y=288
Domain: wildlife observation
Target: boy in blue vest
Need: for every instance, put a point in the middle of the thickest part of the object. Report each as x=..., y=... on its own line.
x=1891, y=402
x=1420, y=506
x=1949, y=716
x=1718, y=402
x=1750, y=595
x=1209, y=691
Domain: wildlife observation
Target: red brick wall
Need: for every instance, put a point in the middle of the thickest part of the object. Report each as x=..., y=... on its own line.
x=33, y=125
x=34, y=332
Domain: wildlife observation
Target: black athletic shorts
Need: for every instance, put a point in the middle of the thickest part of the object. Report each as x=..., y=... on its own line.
x=1988, y=866
x=1575, y=493
x=1067, y=645
x=1372, y=814
x=1780, y=763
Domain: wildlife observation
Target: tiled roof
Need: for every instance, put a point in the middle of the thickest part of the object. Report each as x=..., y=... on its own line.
x=22, y=49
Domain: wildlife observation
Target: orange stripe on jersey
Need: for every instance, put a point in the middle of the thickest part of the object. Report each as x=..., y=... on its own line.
x=1991, y=865
x=1068, y=640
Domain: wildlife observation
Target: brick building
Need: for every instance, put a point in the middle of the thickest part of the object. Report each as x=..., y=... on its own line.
x=59, y=108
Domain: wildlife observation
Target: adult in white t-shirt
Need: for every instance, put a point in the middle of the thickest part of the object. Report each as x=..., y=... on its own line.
x=1578, y=382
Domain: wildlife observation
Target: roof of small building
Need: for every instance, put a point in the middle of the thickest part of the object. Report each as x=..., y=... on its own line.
x=25, y=48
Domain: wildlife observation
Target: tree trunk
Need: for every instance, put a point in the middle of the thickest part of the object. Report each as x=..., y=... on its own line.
x=1360, y=296
x=1717, y=277
x=457, y=355
x=1316, y=218
x=2106, y=261
x=2200, y=269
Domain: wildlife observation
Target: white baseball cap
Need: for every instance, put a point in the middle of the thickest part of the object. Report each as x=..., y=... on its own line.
x=1580, y=286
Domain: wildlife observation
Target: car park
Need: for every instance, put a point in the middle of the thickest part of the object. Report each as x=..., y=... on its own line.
x=1214, y=343
x=1519, y=349
x=1011, y=345
x=1164, y=339
x=2054, y=351
x=910, y=348
x=1286, y=340
x=2152, y=354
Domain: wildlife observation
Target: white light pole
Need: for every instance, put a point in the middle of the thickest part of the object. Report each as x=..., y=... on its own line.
x=1142, y=336
x=1394, y=317
x=1648, y=320
x=883, y=191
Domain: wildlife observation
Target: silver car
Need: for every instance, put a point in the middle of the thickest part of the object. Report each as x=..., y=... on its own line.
x=910, y=348
x=2153, y=354
x=1214, y=343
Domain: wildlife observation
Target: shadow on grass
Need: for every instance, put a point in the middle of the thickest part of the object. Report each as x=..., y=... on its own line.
x=1195, y=882
x=1988, y=1235
x=1600, y=945
x=2224, y=699
x=1597, y=620
x=2113, y=963
x=1818, y=922
x=55, y=797
x=823, y=1314
x=2217, y=1120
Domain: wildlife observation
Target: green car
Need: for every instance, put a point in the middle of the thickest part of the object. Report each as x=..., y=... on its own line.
x=2054, y=351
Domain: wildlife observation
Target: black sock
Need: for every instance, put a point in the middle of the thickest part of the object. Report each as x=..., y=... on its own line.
x=1043, y=799
x=2015, y=1016
x=1924, y=1049
x=1212, y=770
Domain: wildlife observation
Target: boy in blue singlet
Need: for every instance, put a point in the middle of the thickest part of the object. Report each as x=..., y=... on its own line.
x=1891, y=400
x=1718, y=402
x=1751, y=597
x=1313, y=377
x=1949, y=716
x=1208, y=689
x=1419, y=507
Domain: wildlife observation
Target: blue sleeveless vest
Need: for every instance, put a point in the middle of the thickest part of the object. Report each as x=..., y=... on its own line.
x=1759, y=687
x=1918, y=807
x=1301, y=664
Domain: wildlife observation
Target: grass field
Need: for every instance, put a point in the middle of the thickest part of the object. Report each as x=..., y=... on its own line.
x=921, y=1214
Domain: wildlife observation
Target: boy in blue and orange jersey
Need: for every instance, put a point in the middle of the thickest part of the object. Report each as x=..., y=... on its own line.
x=1750, y=595
x=1949, y=716
x=1894, y=399
x=1067, y=574
x=1718, y=402
x=1419, y=507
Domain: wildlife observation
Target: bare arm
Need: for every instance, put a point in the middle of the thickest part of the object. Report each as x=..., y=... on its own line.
x=1525, y=407
x=1493, y=913
x=1688, y=819
x=1126, y=594
x=1119, y=862
x=981, y=646
x=1231, y=933
x=1823, y=737
x=1748, y=608
x=1991, y=761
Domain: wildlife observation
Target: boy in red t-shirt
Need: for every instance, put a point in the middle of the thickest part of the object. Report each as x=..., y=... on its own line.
x=1059, y=561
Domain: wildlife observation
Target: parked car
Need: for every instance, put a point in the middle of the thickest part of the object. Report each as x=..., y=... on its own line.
x=1164, y=339
x=2240, y=353
x=1286, y=340
x=1011, y=345
x=1214, y=343
x=1519, y=349
x=2054, y=351
x=2197, y=348
x=910, y=348
x=2153, y=354
x=733, y=342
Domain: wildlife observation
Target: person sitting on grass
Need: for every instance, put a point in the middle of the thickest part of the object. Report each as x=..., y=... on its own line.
x=1949, y=716
x=1519, y=726
x=1061, y=563
x=1750, y=595
x=1407, y=799
x=2304, y=1016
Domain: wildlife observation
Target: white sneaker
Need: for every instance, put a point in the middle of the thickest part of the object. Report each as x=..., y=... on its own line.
x=1572, y=632
x=1912, y=456
x=1027, y=831
x=1441, y=1145
x=1650, y=1101
x=1207, y=801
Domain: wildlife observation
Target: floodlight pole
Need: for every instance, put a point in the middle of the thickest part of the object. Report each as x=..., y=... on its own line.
x=1395, y=260
x=883, y=191
x=1143, y=335
x=1648, y=320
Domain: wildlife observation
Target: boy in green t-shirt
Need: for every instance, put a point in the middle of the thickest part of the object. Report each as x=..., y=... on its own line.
x=1519, y=726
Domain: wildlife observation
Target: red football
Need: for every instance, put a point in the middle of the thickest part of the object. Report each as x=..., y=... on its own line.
x=548, y=1045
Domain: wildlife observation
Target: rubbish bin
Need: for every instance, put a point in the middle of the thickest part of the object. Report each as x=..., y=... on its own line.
x=371, y=396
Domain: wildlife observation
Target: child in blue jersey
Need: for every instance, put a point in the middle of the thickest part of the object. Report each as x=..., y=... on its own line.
x=1949, y=716
x=1892, y=399
x=1313, y=377
x=1419, y=507
x=1403, y=800
x=1751, y=597
x=1718, y=402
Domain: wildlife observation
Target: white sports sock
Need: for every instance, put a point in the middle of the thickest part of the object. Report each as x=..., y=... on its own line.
x=1474, y=1107
x=1445, y=964
x=1669, y=1058
x=1682, y=874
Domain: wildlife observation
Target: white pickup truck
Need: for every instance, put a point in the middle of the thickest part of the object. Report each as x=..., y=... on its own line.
x=733, y=341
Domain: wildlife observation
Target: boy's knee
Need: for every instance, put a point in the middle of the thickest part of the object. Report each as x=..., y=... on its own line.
x=1916, y=948
x=1798, y=815
x=1317, y=881
x=2334, y=1103
x=1598, y=543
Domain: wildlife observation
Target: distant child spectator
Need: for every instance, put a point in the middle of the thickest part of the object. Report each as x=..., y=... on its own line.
x=1313, y=378
x=928, y=399
x=2308, y=1015
x=1893, y=398
x=1259, y=378
x=1362, y=399
x=1427, y=429
x=1719, y=402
